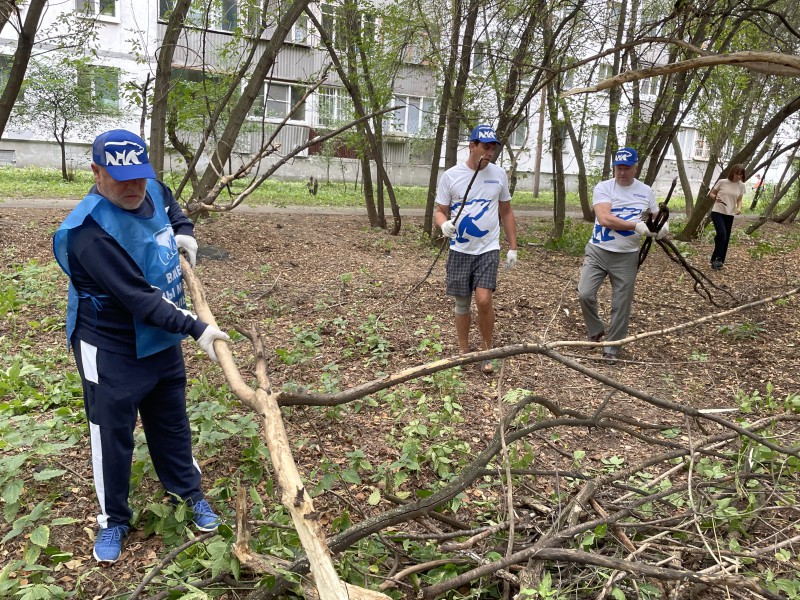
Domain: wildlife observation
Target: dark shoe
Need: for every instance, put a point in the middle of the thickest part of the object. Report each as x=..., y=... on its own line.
x=716, y=264
x=609, y=357
x=108, y=545
x=596, y=338
x=205, y=519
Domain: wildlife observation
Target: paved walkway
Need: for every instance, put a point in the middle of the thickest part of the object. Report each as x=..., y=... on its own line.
x=68, y=203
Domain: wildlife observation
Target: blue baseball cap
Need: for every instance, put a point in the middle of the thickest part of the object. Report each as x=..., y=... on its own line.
x=123, y=154
x=483, y=133
x=626, y=156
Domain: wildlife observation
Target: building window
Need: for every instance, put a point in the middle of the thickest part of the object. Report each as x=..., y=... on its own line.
x=561, y=136
x=479, y=57
x=649, y=87
x=299, y=32
x=614, y=9
x=278, y=101
x=335, y=106
x=334, y=24
x=6, y=62
x=685, y=139
x=702, y=149
x=604, y=72
x=599, y=139
x=416, y=50
x=413, y=115
x=222, y=14
x=104, y=8
x=519, y=137
x=101, y=88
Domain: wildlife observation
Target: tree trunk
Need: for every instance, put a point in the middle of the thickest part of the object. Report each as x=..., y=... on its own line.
x=444, y=111
x=577, y=148
x=537, y=167
x=239, y=112
x=556, y=144
x=22, y=55
x=158, y=117
x=358, y=105
x=686, y=185
x=455, y=116
x=615, y=95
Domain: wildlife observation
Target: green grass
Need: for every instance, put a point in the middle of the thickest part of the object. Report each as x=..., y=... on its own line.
x=31, y=182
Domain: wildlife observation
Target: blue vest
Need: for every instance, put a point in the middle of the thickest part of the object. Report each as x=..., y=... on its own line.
x=148, y=241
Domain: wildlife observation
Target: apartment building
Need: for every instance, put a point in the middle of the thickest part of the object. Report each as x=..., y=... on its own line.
x=127, y=37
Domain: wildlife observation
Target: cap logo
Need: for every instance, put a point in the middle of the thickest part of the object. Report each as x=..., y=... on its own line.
x=624, y=155
x=127, y=155
x=486, y=134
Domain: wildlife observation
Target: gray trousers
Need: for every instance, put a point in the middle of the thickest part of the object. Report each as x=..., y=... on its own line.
x=621, y=268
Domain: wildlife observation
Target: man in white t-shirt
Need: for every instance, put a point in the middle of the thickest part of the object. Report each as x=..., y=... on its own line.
x=481, y=187
x=621, y=207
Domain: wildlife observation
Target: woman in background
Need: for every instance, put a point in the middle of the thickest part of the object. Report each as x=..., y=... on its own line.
x=727, y=195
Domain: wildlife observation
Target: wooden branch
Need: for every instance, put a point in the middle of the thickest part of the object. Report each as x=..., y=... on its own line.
x=392, y=583
x=166, y=560
x=293, y=492
x=774, y=63
x=294, y=398
x=198, y=584
x=470, y=542
x=223, y=350
x=251, y=561
x=598, y=560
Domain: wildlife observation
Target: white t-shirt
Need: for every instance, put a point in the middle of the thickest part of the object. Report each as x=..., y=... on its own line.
x=628, y=202
x=478, y=226
x=728, y=191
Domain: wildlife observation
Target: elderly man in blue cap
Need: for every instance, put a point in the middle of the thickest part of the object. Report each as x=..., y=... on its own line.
x=621, y=207
x=472, y=203
x=126, y=317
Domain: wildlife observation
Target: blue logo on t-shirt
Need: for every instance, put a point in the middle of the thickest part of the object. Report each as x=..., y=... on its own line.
x=467, y=224
x=606, y=234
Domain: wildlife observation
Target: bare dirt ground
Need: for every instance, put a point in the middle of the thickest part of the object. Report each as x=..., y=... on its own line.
x=292, y=273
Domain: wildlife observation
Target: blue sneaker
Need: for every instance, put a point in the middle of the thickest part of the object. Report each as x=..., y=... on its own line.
x=108, y=545
x=205, y=519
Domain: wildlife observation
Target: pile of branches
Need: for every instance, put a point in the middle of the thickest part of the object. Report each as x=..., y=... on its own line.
x=711, y=506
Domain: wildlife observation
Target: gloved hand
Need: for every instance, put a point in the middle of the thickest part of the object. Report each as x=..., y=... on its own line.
x=511, y=259
x=449, y=229
x=643, y=229
x=206, y=341
x=188, y=243
x=663, y=232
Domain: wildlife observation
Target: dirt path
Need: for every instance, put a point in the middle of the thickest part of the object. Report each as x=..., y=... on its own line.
x=329, y=296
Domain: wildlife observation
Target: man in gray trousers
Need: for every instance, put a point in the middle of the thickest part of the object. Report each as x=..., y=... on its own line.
x=621, y=207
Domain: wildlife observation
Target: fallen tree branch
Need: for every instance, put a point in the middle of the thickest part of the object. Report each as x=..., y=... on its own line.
x=598, y=560
x=785, y=63
x=301, y=398
x=293, y=492
x=166, y=560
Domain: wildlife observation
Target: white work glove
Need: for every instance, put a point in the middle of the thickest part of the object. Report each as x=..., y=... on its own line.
x=449, y=229
x=643, y=229
x=511, y=259
x=206, y=341
x=188, y=243
x=663, y=232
